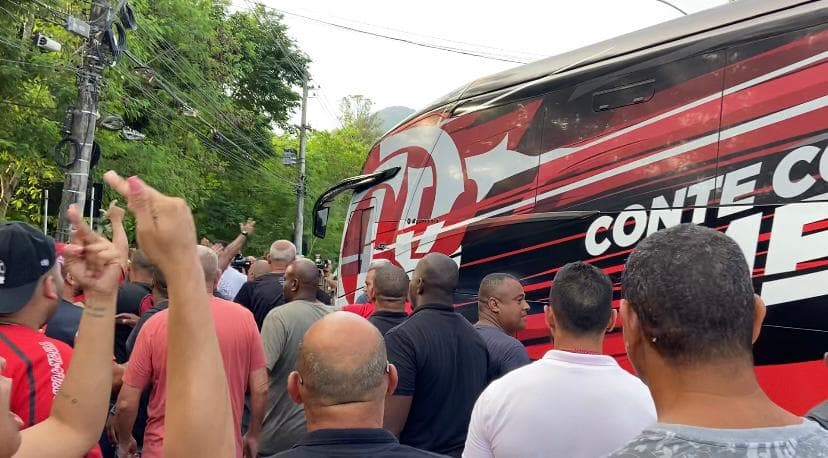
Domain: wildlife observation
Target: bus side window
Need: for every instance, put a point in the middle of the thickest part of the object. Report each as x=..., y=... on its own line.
x=621, y=96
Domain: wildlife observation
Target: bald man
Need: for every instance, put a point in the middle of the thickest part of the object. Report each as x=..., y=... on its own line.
x=258, y=268
x=388, y=295
x=441, y=360
x=502, y=310
x=267, y=291
x=343, y=389
x=282, y=333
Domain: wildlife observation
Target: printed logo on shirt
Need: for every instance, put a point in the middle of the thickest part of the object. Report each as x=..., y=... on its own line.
x=56, y=365
x=2, y=273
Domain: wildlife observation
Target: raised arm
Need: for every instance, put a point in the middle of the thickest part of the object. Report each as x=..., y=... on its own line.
x=80, y=408
x=199, y=421
x=233, y=248
x=115, y=214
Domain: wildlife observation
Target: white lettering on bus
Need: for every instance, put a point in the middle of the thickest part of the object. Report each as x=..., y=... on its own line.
x=788, y=246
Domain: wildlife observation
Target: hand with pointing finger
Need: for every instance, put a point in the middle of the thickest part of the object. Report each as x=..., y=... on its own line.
x=164, y=225
x=91, y=259
x=114, y=213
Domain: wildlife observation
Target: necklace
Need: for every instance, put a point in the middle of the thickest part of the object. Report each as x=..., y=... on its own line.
x=580, y=351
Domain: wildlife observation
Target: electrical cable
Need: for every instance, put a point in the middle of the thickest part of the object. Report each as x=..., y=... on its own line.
x=665, y=2
x=239, y=159
x=480, y=47
x=51, y=9
x=117, y=43
x=226, y=154
x=198, y=82
x=127, y=16
x=33, y=107
x=171, y=92
x=210, y=101
x=403, y=40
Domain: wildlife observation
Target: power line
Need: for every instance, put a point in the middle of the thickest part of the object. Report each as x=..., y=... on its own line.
x=196, y=78
x=402, y=40
x=226, y=153
x=34, y=107
x=672, y=6
x=284, y=47
x=507, y=52
x=167, y=88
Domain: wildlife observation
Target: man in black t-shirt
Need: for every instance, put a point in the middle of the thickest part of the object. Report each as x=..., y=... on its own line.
x=267, y=291
x=130, y=295
x=442, y=364
x=388, y=296
x=343, y=392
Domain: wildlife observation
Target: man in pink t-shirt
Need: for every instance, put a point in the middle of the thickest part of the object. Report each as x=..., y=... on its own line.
x=244, y=364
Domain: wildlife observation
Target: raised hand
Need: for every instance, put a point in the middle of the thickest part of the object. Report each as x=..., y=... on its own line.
x=248, y=226
x=114, y=213
x=164, y=225
x=92, y=260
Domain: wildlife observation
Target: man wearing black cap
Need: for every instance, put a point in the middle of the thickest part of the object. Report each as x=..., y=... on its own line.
x=30, y=288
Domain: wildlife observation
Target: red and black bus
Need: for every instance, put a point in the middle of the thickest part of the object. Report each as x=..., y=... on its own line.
x=718, y=118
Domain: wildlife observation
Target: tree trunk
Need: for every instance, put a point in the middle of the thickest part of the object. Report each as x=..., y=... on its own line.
x=8, y=184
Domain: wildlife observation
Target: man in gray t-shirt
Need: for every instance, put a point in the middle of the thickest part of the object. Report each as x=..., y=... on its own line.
x=690, y=318
x=806, y=439
x=282, y=332
x=501, y=311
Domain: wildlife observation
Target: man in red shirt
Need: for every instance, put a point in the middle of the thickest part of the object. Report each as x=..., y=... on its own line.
x=244, y=364
x=30, y=287
x=366, y=309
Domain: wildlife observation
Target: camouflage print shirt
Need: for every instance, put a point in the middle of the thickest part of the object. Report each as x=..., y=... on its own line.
x=664, y=440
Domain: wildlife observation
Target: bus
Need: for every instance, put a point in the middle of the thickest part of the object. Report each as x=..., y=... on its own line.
x=718, y=118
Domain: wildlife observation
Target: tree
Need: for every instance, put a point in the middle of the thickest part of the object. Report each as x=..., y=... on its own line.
x=357, y=114
x=206, y=105
x=214, y=86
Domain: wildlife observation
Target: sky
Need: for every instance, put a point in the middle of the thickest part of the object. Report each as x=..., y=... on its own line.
x=396, y=73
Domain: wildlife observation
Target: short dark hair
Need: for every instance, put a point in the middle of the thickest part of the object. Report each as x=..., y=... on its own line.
x=390, y=282
x=490, y=283
x=691, y=289
x=140, y=261
x=581, y=297
x=159, y=281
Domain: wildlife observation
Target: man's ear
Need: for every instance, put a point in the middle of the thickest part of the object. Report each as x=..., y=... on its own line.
x=293, y=387
x=492, y=303
x=393, y=378
x=419, y=287
x=759, y=311
x=50, y=289
x=612, y=319
x=549, y=315
x=629, y=324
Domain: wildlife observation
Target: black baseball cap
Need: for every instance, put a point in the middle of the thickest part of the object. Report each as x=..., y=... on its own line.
x=26, y=254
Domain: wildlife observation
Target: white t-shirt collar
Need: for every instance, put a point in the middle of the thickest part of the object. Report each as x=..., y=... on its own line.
x=580, y=358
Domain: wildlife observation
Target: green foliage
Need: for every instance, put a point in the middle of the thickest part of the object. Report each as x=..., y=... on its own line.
x=215, y=87
x=21, y=186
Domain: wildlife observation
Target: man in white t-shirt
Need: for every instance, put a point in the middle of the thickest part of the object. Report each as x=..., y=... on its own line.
x=230, y=283
x=573, y=402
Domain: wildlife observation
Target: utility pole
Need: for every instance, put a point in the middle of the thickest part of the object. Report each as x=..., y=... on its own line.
x=83, y=123
x=300, y=187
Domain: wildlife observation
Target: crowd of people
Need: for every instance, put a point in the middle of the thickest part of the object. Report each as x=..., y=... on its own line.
x=168, y=350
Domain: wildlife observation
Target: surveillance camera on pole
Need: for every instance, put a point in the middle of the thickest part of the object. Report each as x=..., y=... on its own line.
x=47, y=44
